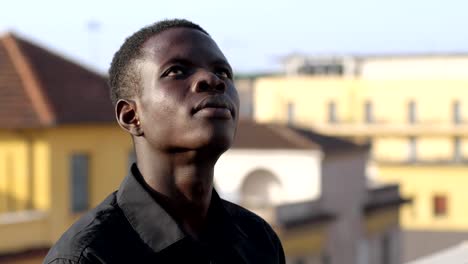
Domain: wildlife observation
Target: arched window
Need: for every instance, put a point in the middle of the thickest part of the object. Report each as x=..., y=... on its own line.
x=261, y=189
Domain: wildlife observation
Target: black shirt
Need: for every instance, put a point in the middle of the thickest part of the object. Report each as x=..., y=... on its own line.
x=129, y=226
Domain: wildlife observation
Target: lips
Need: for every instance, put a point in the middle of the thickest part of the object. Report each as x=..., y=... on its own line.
x=221, y=102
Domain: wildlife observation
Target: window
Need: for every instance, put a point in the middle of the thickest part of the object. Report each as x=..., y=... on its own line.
x=440, y=205
x=412, y=150
x=412, y=112
x=8, y=201
x=332, y=112
x=79, y=182
x=368, y=112
x=456, y=110
x=457, y=149
x=291, y=112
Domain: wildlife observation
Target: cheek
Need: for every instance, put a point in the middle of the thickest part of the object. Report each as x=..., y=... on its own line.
x=163, y=116
x=235, y=97
x=160, y=104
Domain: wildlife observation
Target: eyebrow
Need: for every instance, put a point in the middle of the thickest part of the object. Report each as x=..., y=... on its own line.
x=222, y=62
x=184, y=61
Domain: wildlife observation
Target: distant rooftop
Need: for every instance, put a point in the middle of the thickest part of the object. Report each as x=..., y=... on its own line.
x=252, y=135
x=39, y=88
x=352, y=65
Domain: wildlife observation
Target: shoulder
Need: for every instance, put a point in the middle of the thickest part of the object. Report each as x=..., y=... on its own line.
x=246, y=218
x=258, y=232
x=93, y=226
x=255, y=227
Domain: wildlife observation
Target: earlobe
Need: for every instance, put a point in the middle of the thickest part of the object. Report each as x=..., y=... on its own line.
x=127, y=117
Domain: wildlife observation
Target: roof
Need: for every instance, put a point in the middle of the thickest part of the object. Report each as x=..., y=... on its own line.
x=40, y=88
x=252, y=135
x=370, y=56
x=298, y=214
x=328, y=143
x=382, y=197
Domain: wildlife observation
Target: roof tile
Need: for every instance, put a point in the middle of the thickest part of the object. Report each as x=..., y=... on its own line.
x=72, y=93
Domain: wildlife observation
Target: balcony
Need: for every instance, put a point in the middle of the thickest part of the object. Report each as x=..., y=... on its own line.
x=23, y=230
x=389, y=129
x=379, y=196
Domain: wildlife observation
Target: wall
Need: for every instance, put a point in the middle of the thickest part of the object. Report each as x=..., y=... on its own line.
x=310, y=96
x=23, y=230
x=108, y=147
x=24, y=170
x=389, y=97
x=297, y=170
x=435, y=170
x=421, y=183
x=343, y=192
x=306, y=242
x=428, y=148
x=380, y=225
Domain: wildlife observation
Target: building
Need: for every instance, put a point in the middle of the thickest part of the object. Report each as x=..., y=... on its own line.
x=57, y=141
x=410, y=107
x=313, y=189
x=61, y=153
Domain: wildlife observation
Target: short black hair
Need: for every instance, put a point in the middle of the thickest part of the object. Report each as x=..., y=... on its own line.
x=123, y=76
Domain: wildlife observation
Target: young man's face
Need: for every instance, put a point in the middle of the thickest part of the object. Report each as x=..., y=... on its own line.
x=188, y=98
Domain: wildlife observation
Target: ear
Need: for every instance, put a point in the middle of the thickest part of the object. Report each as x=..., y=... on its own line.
x=127, y=117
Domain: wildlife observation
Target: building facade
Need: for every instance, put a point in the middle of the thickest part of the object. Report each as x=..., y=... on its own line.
x=61, y=153
x=412, y=108
x=313, y=190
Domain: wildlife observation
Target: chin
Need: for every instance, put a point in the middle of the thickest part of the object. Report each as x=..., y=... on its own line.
x=218, y=142
x=217, y=138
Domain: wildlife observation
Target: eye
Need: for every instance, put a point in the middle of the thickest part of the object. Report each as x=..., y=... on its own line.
x=223, y=73
x=175, y=71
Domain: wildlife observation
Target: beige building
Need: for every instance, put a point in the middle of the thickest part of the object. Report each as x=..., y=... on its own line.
x=313, y=189
x=61, y=153
x=414, y=111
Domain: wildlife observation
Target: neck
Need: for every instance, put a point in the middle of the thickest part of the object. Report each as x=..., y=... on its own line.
x=184, y=180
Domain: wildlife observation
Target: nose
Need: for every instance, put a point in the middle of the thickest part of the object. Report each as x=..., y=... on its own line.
x=207, y=81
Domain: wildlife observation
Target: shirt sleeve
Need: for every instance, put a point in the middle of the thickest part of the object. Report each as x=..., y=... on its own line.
x=61, y=261
x=279, y=249
x=64, y=260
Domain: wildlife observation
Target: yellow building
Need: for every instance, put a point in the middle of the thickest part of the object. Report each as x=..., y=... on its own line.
x=61, y=151
x=413, y=109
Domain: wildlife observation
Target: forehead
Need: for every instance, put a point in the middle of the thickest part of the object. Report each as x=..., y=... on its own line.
x=183, y=43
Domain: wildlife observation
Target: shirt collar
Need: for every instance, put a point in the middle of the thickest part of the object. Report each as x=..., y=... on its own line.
x=156, y=227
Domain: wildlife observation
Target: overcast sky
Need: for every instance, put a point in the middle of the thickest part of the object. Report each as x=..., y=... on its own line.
x=252, y=34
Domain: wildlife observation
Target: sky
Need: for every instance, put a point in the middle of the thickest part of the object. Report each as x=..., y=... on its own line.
x=254, y=35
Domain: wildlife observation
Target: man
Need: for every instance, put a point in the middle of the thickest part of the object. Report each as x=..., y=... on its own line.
x=173, y=92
